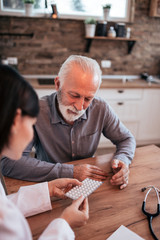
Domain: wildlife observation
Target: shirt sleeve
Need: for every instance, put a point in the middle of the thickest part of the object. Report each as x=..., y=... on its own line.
x=25, y=169
x=58, y=229
x=32, y=199
x=32, y=169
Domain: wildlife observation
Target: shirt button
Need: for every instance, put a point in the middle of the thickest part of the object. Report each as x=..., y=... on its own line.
x=73, y=154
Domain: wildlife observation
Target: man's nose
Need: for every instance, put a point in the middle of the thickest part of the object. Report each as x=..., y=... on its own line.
x=79, y=105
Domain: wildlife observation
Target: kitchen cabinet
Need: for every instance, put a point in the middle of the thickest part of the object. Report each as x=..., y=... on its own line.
x=138, y=109
x=126, y=104
x=149, y=127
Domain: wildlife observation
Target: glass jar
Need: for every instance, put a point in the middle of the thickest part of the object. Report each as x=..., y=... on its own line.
x=111, y=32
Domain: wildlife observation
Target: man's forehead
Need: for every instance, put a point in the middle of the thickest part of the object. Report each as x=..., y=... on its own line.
x=76, y=92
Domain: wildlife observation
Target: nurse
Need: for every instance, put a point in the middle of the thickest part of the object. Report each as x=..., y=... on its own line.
x=18, y=112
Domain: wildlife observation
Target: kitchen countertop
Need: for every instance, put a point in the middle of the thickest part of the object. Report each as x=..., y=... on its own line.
x=137, y=83
x=106, y=83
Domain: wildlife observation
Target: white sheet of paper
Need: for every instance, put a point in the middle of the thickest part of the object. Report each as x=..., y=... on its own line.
x=123, y=233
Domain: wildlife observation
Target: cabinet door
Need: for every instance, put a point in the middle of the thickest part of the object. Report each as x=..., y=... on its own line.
x=120, y=94
x=127, y=110
x=126, y=104
x=149, y=129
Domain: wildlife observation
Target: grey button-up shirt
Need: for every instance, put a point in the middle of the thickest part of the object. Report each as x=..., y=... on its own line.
x=57, y=142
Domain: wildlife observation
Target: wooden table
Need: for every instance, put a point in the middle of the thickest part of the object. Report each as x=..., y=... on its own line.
x=109, y=206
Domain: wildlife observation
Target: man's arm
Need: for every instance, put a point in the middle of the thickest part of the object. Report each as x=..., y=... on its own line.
x=32, y=169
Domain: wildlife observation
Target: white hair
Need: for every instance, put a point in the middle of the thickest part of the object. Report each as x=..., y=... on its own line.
x=86, y=64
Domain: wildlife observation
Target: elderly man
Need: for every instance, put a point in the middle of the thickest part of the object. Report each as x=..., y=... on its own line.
x=69, y=127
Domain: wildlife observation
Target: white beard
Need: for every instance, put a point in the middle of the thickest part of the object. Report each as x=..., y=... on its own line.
x=69, y=116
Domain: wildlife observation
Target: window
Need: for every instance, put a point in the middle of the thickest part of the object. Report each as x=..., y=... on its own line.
x=72, y=9
x=16, y=7
x=92, y=8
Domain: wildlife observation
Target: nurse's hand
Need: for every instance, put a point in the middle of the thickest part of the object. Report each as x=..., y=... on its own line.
x=121, y=173
x=58, y=187
x=77, y=213
x=84, y=171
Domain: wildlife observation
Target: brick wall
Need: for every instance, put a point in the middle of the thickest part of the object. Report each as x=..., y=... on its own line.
x=54, y=40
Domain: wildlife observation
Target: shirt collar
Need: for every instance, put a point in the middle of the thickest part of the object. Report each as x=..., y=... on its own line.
x=55, y=117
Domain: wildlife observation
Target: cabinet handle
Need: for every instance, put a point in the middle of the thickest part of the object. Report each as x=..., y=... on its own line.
x=120, y=103
x=120, y=91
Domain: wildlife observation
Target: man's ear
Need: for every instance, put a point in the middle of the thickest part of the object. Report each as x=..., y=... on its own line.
x=57, y=83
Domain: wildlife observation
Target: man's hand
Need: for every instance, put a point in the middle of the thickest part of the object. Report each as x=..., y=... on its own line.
x=121, y=175
x=77, y=213
x=84, y=171
x=58, y=187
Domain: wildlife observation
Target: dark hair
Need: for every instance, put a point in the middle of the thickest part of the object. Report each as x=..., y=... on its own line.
x=15, y=92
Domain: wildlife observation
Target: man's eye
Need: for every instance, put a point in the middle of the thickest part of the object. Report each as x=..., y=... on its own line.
x=87, y=99
x=74, y=96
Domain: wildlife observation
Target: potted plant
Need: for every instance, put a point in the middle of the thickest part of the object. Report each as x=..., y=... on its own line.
x=106, y=10
x=29, y=7
x=90, y=27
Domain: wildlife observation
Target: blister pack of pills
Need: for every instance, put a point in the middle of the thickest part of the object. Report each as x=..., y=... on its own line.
x=88, y=186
